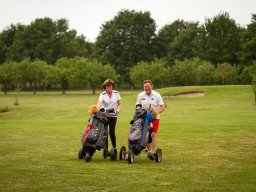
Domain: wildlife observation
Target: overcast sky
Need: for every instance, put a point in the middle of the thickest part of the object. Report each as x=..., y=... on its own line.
x=86, y=16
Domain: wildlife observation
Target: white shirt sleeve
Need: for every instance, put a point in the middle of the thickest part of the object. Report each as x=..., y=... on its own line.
x=138, y=100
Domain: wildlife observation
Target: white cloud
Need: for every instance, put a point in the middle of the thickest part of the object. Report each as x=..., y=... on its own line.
x=86, y=16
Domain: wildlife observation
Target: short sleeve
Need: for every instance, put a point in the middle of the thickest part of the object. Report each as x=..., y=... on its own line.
x=101, y=97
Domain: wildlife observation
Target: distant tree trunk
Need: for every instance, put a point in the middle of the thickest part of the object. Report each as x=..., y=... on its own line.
x=34, y=89
x=5, y=88
x=64, y=86
x=93, y=90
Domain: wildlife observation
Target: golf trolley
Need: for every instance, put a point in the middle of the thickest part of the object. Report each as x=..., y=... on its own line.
x=95, y=136
x=140, y=136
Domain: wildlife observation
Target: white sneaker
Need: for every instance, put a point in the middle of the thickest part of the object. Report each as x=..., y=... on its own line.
x=151, y=155
x=145, y=150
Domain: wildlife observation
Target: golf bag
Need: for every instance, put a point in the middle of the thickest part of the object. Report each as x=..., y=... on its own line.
x=95, y=136
x=140, y=131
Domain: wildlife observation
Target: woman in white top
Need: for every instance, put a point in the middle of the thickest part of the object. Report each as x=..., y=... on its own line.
x=110, y=99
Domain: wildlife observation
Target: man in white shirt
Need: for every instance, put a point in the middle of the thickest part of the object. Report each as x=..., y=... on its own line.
x=150, y=97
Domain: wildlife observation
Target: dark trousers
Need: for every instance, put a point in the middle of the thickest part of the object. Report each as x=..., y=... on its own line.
x=112, y=127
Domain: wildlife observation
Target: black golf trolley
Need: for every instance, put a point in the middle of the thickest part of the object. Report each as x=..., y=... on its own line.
x=139, y=136
x=95, y=136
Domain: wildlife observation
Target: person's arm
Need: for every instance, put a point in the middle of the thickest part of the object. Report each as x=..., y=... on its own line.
x=119, y=105
x=118, y=102
x=161, y=109
x=99, y=104
x=138, y=100
x=161, y=105
x=100, y=101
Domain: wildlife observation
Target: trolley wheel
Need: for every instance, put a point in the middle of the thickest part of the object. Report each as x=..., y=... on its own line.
x=122, y=153
x=158, y=155
x=113, y=154
x=81, y=153
x=130, y=156
x=88, y=157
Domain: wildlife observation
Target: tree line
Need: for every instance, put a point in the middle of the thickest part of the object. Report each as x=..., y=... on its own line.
x=47, y=54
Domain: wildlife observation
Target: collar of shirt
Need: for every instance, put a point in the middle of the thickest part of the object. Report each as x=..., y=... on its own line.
x=147, y=94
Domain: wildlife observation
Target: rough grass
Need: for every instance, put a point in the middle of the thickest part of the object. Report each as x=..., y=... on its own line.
x=208, y=143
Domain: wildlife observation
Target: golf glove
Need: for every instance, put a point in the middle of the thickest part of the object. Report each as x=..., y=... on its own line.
x=117, y=111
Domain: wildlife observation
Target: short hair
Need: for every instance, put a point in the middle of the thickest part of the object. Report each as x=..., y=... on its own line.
x=108, y=82
x=148, y=81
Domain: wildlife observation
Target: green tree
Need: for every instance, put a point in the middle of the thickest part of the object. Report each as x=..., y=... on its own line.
x=53, y=77
x=9, y=75
x=184, y=72
x=247, y=73
x=180, y=40
x=36, y=41
x=167, y=34
x=139, y=73
x=222, y=41
x=159, y=72
x=155, y=70
x=204, y=72
x=193, y=71
x=226, y=74
x=92, y=72
x=248, y=53
x=7, y=39
x=71, y=45
x=34, y=73
x=126, y=40
x=43, y=39
x=63, y=72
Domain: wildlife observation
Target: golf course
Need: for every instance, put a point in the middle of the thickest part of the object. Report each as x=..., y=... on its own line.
x=208, y=142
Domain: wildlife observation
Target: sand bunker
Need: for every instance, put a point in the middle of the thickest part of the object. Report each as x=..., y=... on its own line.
x=186, y=94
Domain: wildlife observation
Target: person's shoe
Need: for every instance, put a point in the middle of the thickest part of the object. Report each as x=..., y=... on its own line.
x=105, y=153
x=145, y=150
x=151, y=155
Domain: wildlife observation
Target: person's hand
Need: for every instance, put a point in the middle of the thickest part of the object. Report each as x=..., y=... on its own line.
x=117, y=112
x=154, y=112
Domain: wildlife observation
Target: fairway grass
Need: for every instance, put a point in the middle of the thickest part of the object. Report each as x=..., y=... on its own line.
x=208, y=143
